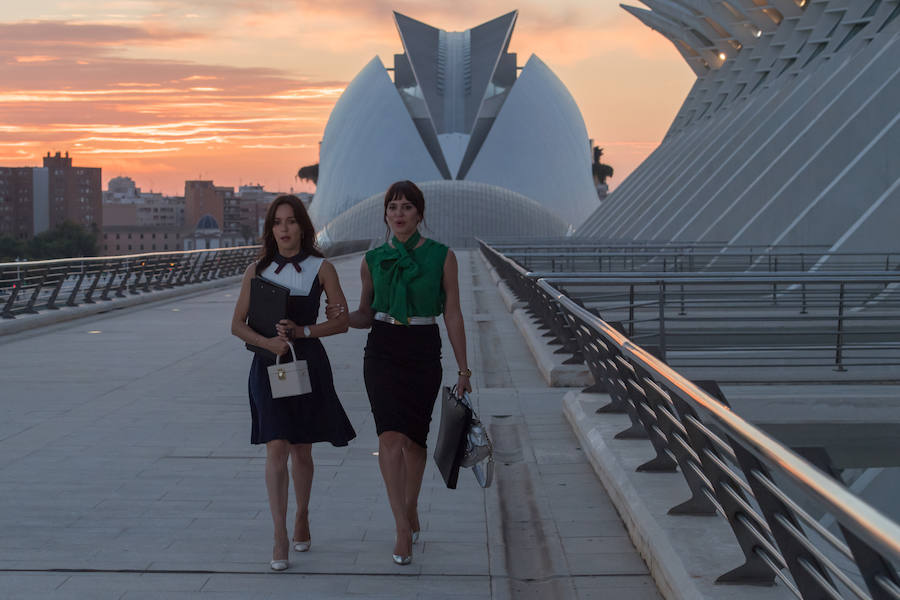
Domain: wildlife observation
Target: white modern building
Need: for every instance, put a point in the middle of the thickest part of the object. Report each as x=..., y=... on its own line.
x=790, y=135
x=457, y=109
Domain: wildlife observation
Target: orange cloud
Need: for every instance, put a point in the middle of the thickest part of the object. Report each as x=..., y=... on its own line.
x=239, y=90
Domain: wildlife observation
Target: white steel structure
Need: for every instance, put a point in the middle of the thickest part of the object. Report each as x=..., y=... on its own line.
x=458, y=109
x=790, y=135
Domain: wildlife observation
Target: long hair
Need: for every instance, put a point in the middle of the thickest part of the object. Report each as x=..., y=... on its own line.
x=408, y=190
x=307, y=232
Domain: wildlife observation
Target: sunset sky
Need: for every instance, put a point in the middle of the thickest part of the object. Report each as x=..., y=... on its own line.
x=239, y=91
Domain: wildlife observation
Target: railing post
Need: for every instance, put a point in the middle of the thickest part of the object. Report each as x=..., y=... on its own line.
x=51, y=301
x=76, y=288
x=631, y=310
x=839, y=342
x=7, y=308
x=662, y=320
x=811, y=578
x=29, y=307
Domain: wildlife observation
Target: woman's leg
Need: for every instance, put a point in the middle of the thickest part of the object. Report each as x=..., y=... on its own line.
x=277, y=452
x=391, y=446
x=302, y=471
x=414, y=457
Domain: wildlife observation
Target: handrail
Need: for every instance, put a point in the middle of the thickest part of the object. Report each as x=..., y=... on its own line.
x=872, y=526
x=30, y=286
x=118, y=257
x=725, y=461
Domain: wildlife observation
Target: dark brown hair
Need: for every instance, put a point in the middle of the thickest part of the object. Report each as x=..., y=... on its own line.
x=307, y=232
x=404, y=189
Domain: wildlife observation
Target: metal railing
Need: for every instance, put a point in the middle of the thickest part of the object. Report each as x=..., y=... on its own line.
x=801, y=319
x=731, y=468
x=626, y=259
x=31, y=286
x=804, y=319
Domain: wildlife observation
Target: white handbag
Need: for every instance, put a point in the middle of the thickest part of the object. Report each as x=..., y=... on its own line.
x=289, y=379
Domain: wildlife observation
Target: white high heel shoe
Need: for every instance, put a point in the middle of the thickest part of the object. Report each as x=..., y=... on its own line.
x=278, y=565
x=301, y=546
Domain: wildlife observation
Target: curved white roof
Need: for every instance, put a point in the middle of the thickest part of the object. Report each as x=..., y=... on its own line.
x=455, y=213
x=788, y=137
x=538, y=146
x=369, y=142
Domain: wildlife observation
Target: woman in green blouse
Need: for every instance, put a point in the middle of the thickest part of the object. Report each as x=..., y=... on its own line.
x=406, y=283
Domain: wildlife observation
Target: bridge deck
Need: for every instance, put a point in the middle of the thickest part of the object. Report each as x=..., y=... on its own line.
x=126, y=472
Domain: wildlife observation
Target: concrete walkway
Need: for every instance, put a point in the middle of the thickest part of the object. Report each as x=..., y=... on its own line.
x=126, y=471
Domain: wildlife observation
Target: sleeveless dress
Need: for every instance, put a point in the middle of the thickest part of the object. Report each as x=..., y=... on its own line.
x=402, y=363
x=314, y=417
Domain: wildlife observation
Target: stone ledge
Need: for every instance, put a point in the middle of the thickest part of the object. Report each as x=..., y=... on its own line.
x=685, y=554
x=551, y=366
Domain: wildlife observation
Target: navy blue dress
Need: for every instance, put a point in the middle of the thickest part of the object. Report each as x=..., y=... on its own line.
x=314, y=417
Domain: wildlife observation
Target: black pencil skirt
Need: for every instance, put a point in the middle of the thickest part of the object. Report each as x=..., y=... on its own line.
x=402, y=371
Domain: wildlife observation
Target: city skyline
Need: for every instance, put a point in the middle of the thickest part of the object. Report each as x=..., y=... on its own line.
x=165, y=91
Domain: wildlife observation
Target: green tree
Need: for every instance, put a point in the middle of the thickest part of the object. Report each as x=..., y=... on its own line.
x=67, y=240
x=10, y=248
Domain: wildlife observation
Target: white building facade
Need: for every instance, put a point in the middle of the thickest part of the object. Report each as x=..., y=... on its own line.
x=458, y=110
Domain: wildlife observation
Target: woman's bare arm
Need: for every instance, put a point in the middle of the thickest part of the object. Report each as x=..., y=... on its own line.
x=334, y=295
x=453, y=319
x=361, y=318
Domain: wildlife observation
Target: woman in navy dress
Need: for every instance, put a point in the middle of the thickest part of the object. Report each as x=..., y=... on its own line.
x=289, y=426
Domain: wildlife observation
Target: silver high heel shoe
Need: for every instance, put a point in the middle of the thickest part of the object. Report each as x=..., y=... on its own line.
x=400, y=559
x=415, y=536
x=301, y=546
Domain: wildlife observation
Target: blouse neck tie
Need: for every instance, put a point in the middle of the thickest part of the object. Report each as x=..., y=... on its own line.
x=400, y=269
x=295, y=260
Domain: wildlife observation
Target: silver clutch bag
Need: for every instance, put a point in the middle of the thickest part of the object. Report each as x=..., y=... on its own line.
x=479, y=452
x=289, y=379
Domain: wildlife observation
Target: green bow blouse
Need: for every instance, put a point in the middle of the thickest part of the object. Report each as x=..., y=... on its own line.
x=408, y=280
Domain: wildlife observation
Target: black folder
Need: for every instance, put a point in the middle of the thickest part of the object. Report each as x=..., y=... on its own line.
x=268, y=305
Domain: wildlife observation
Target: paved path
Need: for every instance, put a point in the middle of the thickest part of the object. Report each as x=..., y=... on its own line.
x=126, y=472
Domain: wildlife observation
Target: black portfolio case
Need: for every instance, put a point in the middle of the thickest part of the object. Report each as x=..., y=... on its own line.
x=268, y=305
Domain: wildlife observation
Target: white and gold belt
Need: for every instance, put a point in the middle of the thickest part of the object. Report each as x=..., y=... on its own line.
x=383, y=316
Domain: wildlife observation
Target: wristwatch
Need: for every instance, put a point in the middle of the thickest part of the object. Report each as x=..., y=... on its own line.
x=306, y=332
x=465, y=372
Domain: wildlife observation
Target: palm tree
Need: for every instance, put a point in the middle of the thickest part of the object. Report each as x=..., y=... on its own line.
x=599, y=170
x=309, y=173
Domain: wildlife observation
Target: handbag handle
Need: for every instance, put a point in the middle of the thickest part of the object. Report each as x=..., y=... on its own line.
x=294, y=356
